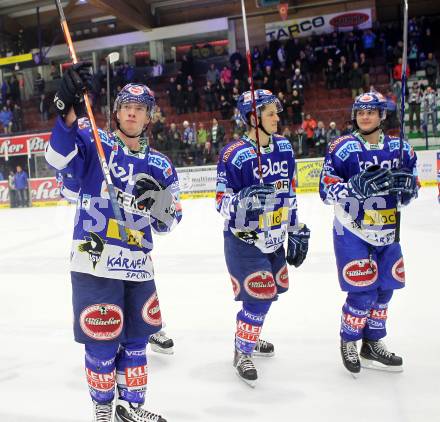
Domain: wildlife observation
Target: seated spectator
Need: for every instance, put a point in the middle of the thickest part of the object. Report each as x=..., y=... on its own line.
x=332, y=132
x=355, y=80
x=297, y=102
x=6, y=120
x=320, y=139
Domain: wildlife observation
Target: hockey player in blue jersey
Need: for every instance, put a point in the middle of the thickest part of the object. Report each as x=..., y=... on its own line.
x=69, y=190
x=115, y=303
x=362, y=178
x=259, y=217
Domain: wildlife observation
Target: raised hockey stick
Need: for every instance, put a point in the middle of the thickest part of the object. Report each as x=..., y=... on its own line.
x=402, y=112
x=100, y=151
x=251, y=81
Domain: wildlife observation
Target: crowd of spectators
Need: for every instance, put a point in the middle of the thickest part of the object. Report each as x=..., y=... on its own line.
x=11, y=114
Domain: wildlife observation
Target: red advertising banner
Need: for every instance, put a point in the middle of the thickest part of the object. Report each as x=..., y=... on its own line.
x=44, y=191
x=23, y=144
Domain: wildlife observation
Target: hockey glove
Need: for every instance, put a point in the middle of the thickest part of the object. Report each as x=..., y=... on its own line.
x=154, y=197
x=75, y=81
x=404, y=183
x=370, y=182
x=298, y=245
x=253, y=199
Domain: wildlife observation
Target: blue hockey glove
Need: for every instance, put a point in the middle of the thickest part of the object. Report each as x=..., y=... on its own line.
x=370, y=182
x=253, y=199
x=75, y=81
x=298, y=245
x=404, y=182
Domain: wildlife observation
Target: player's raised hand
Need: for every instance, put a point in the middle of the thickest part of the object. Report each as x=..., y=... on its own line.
x=75, y=81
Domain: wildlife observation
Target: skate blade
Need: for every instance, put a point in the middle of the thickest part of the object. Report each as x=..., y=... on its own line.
x=158, y=349
x=263, y=355
x=250, y=383
x=372, y=364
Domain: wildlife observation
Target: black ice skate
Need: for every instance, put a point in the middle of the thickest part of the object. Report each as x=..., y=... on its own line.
x=245, y=368
x=374, y=355
x=264, y=349
x=350, y=357
x=102, y=412
x=132, y=412
x=160, y=343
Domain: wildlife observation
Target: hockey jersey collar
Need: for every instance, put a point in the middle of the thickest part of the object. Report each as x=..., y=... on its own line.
x=143, y=146
x=264, y=150
x=367, y=145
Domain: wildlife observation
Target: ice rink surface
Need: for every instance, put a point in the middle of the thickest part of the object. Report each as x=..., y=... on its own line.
x=41, y=368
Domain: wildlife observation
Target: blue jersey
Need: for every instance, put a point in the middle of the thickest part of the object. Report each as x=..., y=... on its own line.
x=97, y=247
x=237, y=168
x=373, y=220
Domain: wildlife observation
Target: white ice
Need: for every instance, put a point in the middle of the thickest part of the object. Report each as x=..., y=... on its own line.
x=41, y=368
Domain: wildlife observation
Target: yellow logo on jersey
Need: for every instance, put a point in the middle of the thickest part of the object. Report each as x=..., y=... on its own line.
x=273, y=218
x=134, y=236
x=380, y=217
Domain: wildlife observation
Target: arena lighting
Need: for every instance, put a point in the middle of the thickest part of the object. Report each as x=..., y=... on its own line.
x=79, y=2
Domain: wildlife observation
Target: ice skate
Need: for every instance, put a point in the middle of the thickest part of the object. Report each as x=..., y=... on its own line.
x=374, y=355
x=350, y=357
x=102, y=412
x=161, y=343
x=133, y=412
x=246, y=370
x=263, y=349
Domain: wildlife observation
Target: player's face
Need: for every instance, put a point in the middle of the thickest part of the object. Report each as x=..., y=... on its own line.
x=270, y=118
x=367, y=119
x=133, y=117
